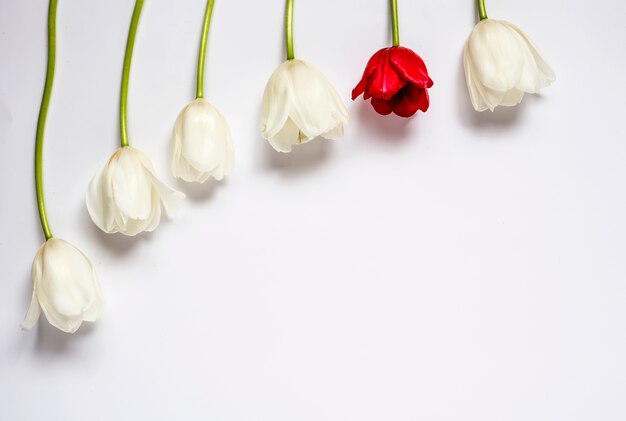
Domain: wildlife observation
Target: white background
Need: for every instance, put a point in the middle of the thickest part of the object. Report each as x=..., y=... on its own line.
x=454, y=266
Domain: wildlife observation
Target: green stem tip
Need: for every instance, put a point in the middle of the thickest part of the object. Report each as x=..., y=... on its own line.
x=482, y=11
x=289, y=29
x=395, y=32
x=128, y=55
x=41, y=120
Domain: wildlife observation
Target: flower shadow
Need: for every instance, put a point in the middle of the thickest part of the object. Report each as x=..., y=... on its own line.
x=389, y=129
x=52, y=341
x=500, y=118
x=302, y=158
x=199, y=192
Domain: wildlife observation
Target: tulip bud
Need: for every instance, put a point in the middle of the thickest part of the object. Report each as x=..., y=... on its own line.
x=397, y=81
x=202, y=145
x=125, y=196
x=300, y=104
x=501, y=64
x=65, y=287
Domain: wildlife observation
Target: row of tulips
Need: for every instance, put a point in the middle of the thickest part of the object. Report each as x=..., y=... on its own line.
x=299, y=104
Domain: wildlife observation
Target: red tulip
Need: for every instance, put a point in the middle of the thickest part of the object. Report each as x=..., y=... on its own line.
x=397, y=80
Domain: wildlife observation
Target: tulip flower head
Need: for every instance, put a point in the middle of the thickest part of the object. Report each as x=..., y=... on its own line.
x=300, y=104
x=126, y=196
x=202, y=145
x=502, y=64
x=397, y=81
x=65, y=287
x=395, y=78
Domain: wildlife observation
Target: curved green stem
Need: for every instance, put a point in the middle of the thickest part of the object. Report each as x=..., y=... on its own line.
x=130, y=42
x=482, y=12
x=202, y=51
x=395, y=32
x=289, y=29
x=41, y=121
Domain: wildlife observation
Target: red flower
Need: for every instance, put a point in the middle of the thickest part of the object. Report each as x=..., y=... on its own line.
x=396, y=79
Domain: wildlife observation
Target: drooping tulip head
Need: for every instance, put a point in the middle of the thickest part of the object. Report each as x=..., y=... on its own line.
x=126, y=196
x=65, y=287
x=202, y=145
x=396, y=80
x=501, y=64
x=300, y=104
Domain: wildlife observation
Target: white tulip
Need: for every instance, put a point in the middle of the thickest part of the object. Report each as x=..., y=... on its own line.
x=202, y=146
x=299, y=104
x=125, y=196
x=65, y=287
x=501, y=64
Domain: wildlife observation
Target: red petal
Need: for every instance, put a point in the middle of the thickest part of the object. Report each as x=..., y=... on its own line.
x=410, y=66
x=419, y=96
x=413, y=98
x=405, y=108
x=372, y=63
x=385, y=107
x=384, y=82
x=381, y=106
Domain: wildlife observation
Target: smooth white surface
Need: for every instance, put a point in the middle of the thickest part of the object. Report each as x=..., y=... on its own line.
x=456, y=266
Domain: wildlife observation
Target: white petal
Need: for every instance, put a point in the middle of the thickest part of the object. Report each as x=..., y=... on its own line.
x=288, y=136
x=311, y=100
x=32, y=315
x=172, y=199
x=472, y=84
x=228, y=159
x=512, y=98
x=537, y=72
x=338, y=108
x=99, y=200
x=179, y=166
x=155, y=218
x=497, y=55
x=225, y=149
x=131, y=186
x=485, y=98
x=132, y=227
x=334, y=133
x=34, y=310
x=202, y=133
x=276, y=101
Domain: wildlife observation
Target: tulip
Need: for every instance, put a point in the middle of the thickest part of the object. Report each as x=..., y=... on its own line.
x=502, y=64
x=65, y=287
x=202, y=145
x=397, y=81
x=300, y=104
x=125, y=196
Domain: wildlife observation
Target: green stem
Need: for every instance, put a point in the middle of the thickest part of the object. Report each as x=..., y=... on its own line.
x=130, y=42
x=482, y=12
x=41, y=121
x=289, y=29
x=202, y=52
x=395, y=32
